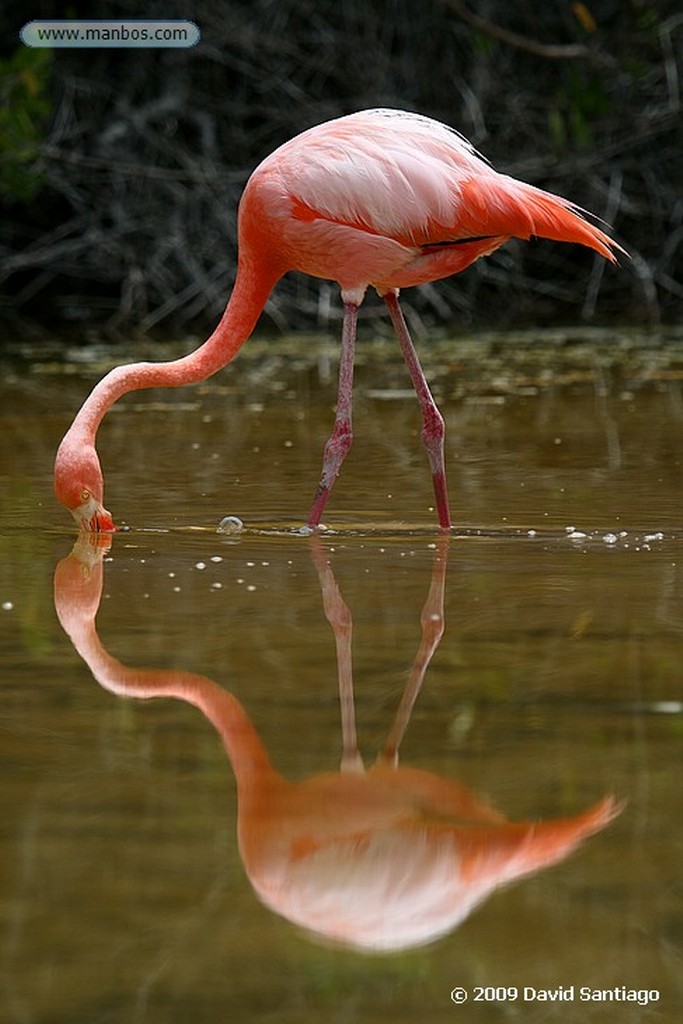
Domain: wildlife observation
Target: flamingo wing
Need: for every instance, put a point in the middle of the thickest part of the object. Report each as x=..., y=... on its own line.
x=389, y=173
x=395, y=199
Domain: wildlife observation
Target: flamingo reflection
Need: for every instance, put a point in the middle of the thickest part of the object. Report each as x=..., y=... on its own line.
x=383, y=858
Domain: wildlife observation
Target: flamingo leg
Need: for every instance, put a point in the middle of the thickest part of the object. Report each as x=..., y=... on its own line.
x=433, y=428
x=341, y=438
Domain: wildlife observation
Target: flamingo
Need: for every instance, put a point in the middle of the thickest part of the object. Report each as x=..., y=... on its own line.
x=380, y=198
x=384, y=858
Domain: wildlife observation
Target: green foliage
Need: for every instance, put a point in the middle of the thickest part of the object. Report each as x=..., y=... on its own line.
x=579, y=103
x=24, y=108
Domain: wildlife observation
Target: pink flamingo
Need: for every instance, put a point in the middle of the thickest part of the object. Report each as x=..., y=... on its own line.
x=382, y=198
x=383, y=858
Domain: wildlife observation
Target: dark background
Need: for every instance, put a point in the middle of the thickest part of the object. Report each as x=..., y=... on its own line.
x=121, y=170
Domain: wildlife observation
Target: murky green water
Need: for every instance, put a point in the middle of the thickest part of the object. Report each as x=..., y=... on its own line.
x=137, y=887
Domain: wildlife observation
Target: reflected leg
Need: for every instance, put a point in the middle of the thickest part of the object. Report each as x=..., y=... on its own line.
x=338, y=615
x=432, y=623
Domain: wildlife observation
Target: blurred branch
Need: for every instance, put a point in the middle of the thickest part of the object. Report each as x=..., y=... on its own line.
x=666, y=30
x=569, y=51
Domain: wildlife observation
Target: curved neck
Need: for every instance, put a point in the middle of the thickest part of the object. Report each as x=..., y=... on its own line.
x=251, y=290
x=78, y=583
x=243, y=745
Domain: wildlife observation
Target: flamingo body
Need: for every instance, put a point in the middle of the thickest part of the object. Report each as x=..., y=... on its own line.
x=393, y=199
x=382, y=198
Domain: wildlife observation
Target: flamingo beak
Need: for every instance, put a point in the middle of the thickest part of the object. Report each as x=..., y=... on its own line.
x=92, y=517
x=102, y=522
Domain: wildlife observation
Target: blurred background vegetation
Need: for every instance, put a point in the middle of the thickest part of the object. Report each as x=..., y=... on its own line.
x=121, y=170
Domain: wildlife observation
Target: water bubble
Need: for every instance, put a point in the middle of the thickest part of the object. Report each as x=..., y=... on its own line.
x=230, y=524
x=667, y=707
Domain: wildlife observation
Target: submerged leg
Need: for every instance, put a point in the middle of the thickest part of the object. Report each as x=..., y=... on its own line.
x=339, y=443
x=433, y=429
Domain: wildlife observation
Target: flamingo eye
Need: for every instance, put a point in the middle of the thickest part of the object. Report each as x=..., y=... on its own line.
x=85, y=495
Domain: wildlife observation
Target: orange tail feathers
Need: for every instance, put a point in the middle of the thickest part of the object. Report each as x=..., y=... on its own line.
x=509, y=207
x=519, y=848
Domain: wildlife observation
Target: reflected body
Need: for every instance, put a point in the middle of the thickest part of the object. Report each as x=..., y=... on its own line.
x=380, y=198
x=380, y=859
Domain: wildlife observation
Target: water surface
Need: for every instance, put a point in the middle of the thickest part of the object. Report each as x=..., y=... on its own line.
x=556, y=684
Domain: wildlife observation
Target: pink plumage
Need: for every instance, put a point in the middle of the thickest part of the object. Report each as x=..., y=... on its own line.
x=382, y=198
x=366, y=199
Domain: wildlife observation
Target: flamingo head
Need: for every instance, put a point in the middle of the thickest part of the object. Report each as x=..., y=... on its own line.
x=79, y=486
